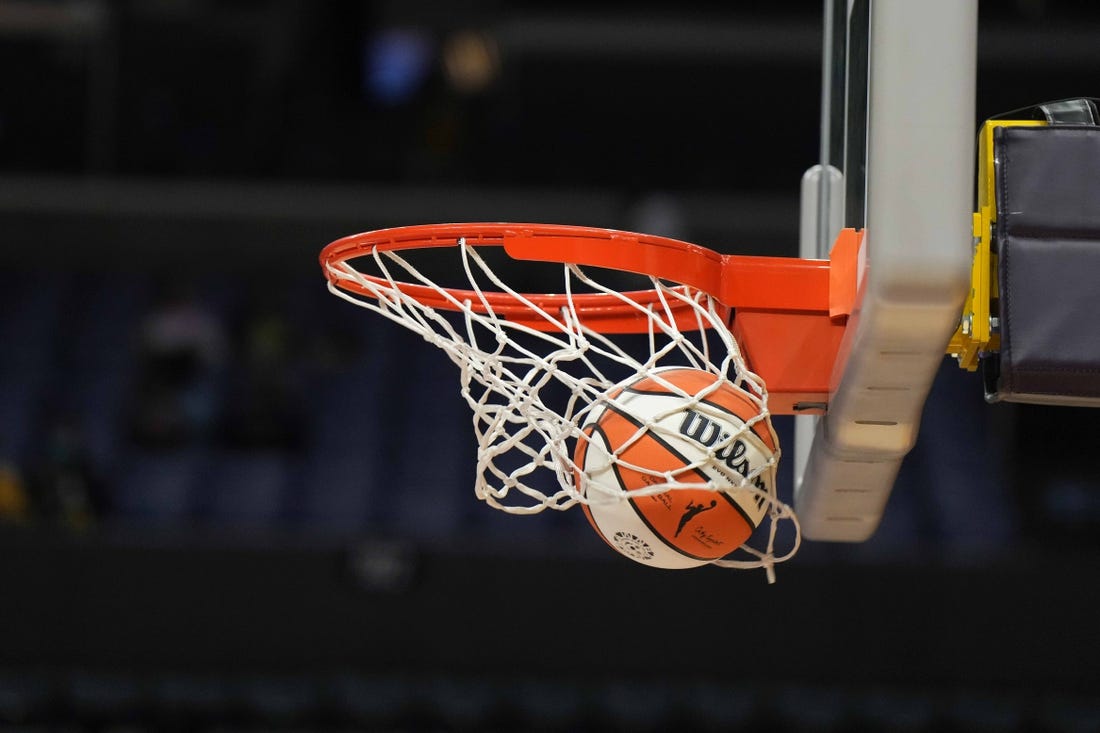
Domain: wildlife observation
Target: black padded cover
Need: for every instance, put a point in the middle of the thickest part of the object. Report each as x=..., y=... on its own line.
x=1048, y=240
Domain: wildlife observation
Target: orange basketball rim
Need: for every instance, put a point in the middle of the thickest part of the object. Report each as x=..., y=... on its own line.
x=787, y=314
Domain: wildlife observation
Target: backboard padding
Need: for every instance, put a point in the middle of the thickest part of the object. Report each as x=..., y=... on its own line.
x=915, y=178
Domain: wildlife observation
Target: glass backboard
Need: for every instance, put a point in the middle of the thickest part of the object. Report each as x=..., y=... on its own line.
x=897, y=152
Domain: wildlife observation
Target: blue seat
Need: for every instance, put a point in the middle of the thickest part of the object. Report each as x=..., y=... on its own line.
x=339, y=493
x=373, y=702
x=351, y=402
x=19, y=414
x=24, y=695
x=105, y=329
x=245, y=490
x=98, y=399
x=103, y=696
x=32, y=308
x=434, y=452
x=347, y=412
x=278, y=701
x=345, y=474
x=153, y=488
x=897, y=710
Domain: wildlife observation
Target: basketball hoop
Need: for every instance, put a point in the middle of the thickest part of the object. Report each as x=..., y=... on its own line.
x=535, y=367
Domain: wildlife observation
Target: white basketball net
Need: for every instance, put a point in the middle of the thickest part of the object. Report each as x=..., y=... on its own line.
x=532, y=390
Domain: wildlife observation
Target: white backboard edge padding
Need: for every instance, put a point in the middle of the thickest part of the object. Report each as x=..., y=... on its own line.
x=917, y=264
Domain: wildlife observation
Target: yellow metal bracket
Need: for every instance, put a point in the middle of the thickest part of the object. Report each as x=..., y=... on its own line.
x=978, y=330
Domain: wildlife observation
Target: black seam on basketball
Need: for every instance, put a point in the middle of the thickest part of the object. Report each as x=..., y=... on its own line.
x=740, y=509
x=656, y=438
x=619, y=479
x=630, y=499
x=660, y=441
x=750, y=433
x=666, y=393
x=582, y=449
x=645, y=520
x=591, y=430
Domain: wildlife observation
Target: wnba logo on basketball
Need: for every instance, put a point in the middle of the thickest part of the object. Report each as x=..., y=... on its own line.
x=674, y=462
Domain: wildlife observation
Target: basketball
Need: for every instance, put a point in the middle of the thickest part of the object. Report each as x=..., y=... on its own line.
x=674, y=426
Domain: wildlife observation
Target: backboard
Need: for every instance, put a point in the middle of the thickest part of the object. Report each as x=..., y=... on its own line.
x=897, y=158
x=861, y=320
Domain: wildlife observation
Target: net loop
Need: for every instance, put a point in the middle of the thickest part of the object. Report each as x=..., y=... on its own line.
x=533, y=370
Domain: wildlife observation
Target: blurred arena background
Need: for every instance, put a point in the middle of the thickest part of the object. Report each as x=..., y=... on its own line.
x=230, y=501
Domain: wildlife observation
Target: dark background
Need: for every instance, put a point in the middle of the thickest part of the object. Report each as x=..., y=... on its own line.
x=235, y=527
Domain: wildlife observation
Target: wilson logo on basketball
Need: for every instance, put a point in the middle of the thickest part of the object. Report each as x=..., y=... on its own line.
x=709, y=433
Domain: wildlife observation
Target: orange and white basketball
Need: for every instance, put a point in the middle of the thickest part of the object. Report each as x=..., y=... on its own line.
x=688, y=441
